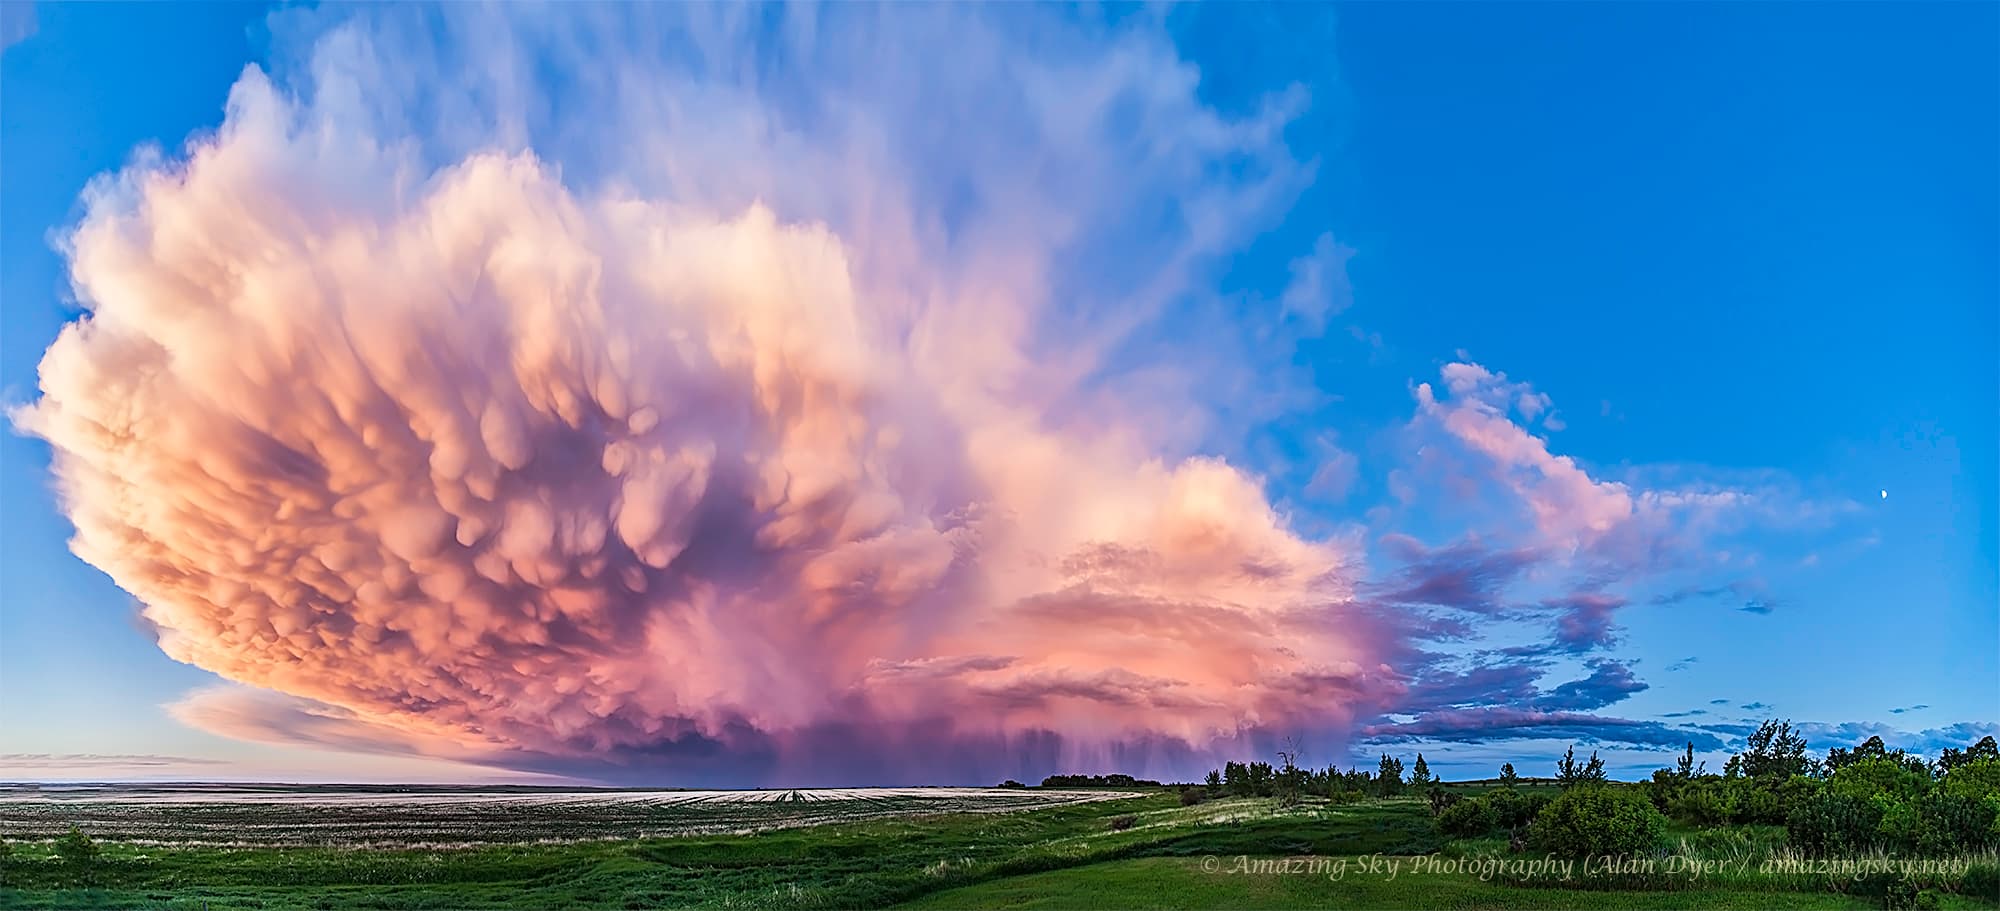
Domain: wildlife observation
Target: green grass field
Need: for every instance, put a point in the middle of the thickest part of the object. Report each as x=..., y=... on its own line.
x=1147, y=851
x=1176, y=882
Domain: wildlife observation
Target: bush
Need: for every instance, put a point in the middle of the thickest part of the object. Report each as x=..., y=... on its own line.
x=79, y=854
x=1903, y=894
x=1980, y=879
x=1191, y=796
x=1880, y=775
x=1950, y=822
x=1766, y=801
x=1596, y=819
x=1900, y=825
x=1513, y=809
x=77, y=849
x=1839, y=820
x=1834, y=822
x=1700, y=805
x=1121, y=823
x=1468, y=818
x=1979, y=778
x=1756, y=806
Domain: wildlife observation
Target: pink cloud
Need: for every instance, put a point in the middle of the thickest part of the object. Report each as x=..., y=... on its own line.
x=466, y=461
x=1570, y=507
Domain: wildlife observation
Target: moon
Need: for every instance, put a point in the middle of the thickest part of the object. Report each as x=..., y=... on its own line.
x=1885, y=495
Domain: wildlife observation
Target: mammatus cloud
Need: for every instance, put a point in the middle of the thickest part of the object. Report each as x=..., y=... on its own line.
x=463, y=457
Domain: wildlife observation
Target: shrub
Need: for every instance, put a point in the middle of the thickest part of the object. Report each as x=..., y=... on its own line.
x=1947, y=822
x=1468, y=818
x=1980, y=879
x=1757, y=806
x=1900, y=823
x=1699, y=804
x=1902, y=893
x=1121, y=823
x=1191, y=796
x=1343, y=797
x=76, y=848
x=1979, y=778
x=1834, y=822
x=1880, y=775
x=1597, y=820
x=1757, y=803
x=79, y=854
x=1513, y=809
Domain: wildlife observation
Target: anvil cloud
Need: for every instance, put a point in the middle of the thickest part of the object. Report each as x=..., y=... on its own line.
x=699, y=465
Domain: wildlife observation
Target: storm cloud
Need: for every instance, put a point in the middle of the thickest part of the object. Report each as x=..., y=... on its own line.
x=486, y=443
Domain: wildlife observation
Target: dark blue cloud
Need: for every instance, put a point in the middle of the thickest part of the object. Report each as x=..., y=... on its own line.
x=1609, y=682
x=1749, y=593
x=1585, y=621
x=1467, y=576
x=1496, y=684
x=1498, y=723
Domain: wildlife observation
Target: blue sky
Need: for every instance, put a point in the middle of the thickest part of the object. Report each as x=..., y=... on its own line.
x=1746, y=247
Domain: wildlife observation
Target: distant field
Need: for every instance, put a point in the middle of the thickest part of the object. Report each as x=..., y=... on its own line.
x=447, y=817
